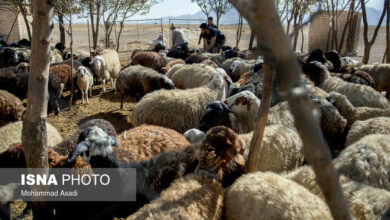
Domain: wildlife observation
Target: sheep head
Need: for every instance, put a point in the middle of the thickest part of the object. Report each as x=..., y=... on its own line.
x=217, y=113
x=235, y=65
x=81, y=71
x=93, y=141
x=220, y=147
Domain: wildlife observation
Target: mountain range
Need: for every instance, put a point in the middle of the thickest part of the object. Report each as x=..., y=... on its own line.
x=231, y=17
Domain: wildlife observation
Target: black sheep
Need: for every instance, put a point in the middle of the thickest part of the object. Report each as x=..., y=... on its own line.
x=334, y=57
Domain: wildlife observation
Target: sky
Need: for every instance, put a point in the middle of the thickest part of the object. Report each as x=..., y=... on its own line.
x=170, y=8
x=184, y=7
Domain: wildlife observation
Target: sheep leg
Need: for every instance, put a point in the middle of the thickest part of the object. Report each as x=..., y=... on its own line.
x=122, y=99
x=104, y=85
x=90, y=92
x=82, y=96
x=86, y=95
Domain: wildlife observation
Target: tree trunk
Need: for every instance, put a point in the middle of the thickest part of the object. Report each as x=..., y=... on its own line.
x=62, y=29
x=263, y=19
x=91, y=12
x=302, y=37
x=119, y=36
x=24, y=14
x=261, y=120
x=34, y=136
x=368, y=43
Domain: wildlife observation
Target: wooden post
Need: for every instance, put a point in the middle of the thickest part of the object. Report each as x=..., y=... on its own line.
x=252, y=38
x=89, y=40
x=71, y=61
x=162, y=29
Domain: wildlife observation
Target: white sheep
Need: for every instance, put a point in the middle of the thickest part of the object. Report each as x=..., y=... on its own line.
x=359, y=129
x=107, y=65
x=381, y=74
x=227, y=63
x=173, y=69
x=365, y=202
x=351, y=113
x=269, y=196
x=12, y=134
x=84, y=82
x=195, y=135
x=247, y=105
x=280, y=149
x=358, y=95
x=180, y=109
x=192, y=76
x=238, y=68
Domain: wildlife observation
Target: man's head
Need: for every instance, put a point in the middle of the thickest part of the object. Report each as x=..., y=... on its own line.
x=210, y=21
x=204, y=28
x=173, y=27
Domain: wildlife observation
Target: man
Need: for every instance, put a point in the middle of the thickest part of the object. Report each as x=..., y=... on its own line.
x=178, y=38
x=213, y=39
x=210, y=24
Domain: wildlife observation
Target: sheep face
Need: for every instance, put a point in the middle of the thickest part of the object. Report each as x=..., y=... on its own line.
x=316, y=72
x=81, y=71
x=235, y=65
x=96, y=143
x=217, y=113
x=243, y=102
x=97, y=63
x=195, y=135
x=257, y=66
x=11, y=56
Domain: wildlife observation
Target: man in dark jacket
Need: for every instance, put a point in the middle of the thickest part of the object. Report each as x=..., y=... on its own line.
x=213, y=39
x=210, y=24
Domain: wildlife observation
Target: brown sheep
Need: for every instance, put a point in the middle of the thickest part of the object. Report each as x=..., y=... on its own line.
x=65, y=72
x=146, y=141
x=11, y=108
x=169, y=65
x=149, y=59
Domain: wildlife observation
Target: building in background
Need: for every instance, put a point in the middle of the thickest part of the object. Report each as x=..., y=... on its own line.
x=12, y=25
x=320, y=28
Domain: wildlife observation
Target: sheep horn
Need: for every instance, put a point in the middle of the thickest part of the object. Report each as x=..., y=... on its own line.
x=79, y=149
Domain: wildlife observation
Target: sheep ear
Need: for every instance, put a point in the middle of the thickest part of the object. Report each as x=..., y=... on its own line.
x=78, y=150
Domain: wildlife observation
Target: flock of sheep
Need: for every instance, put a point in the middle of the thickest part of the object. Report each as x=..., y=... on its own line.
x=193, y=123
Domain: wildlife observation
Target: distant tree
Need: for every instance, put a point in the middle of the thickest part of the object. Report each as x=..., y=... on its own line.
x=94, y=10
x=204, y=6
x=219, y=7
x=368, y=43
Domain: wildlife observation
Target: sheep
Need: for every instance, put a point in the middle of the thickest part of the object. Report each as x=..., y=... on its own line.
x=198, y=58
x=238, y=68
x=217, y=113
x=173, y=69
x=12, y=57
x=206, y=200
x=155, y=174
x=79, y=55
x=365, y=202
x=106, y=66
x=17, y=84
x=20, y=68
x=195, y=135
x=333, y=124
x=11, y=108
x=359, y=95
x=60, y=46
x=351, y=113
x=170, y=64
x=65, y=72
x=55, y=55
x=269, y=196
x=148, y=59
x=14, y=157
x=359, y=129
x=314, y=90
x=334, y=57
x=381, y=75
x=138, y=81
x=357, y=77
x=68, y=144
x=145, y=141
x=12, y=133
x=227, y=64
x=76, y=64
x=246, y=104
x=180, y=109
x=84, y=82
x=192, y=76
x=210, y=63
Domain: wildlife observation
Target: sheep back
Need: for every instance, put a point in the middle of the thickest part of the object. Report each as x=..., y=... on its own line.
x=146, y=141
x=11, y=108
x=359, y=129
x=192, y=76
x=269, y=196
x=381, y=75
x=149, y=59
